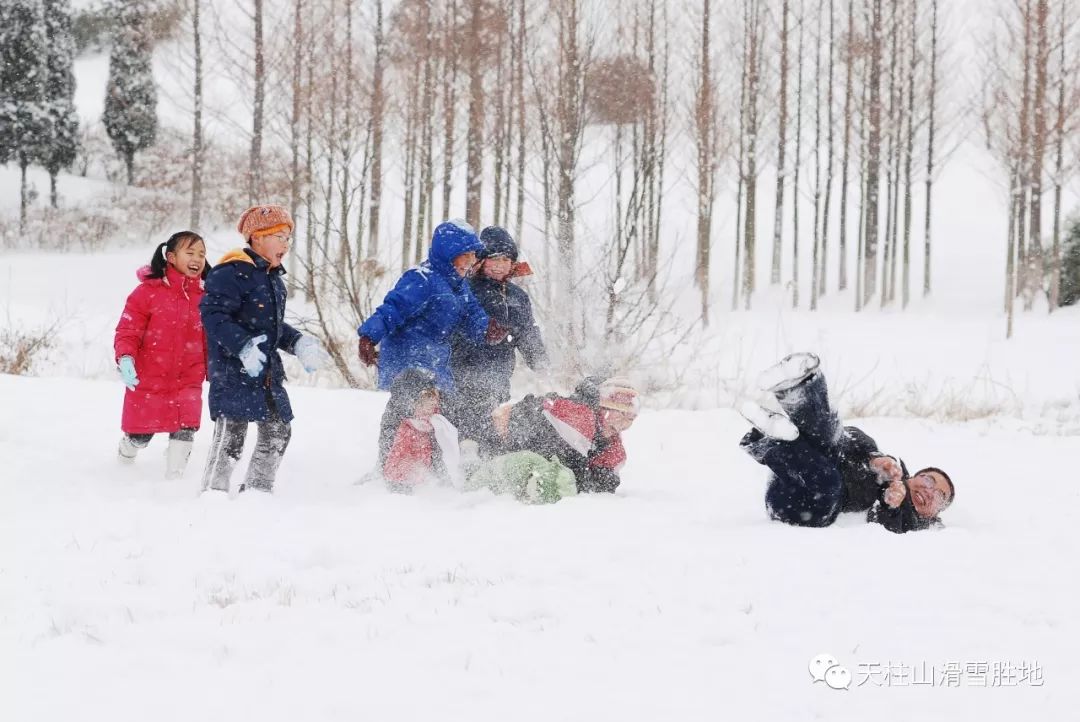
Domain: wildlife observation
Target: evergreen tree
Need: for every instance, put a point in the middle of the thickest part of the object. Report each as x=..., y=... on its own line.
x=60, y=92
x=130, y=115
x=1070, y=264
x=23, y=121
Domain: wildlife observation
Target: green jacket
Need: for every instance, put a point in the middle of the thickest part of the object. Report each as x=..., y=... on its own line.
x=527, y=475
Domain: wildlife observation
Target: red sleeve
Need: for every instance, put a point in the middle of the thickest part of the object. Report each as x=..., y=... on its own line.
x=612, y=457
x=411, y=450
x=133, y=321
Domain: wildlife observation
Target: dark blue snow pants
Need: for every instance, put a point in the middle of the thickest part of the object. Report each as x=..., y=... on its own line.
x=806, y=488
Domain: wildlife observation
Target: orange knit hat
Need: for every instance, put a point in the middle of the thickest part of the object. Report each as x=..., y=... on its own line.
x=263, y=218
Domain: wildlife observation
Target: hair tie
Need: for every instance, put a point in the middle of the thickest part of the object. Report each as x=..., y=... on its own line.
x=164, y=251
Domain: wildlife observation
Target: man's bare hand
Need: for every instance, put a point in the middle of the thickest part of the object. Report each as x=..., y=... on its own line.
x=895, y=493
x=887, y=468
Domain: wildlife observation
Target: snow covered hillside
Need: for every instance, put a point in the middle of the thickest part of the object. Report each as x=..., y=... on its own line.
x=130, y=598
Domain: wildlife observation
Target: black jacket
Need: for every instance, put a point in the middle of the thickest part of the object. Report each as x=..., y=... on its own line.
x=487, y=368
x=531, y=430
x=863, y=491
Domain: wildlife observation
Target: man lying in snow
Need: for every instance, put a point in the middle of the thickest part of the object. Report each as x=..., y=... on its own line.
x=583, y=431
x=820, y=468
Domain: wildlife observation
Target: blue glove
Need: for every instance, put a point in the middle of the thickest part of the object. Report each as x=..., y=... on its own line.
x=252, y=358
x=311, y=354
x=126, y=366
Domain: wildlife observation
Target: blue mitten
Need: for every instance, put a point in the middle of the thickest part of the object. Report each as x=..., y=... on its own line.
x=252, y=358
x=126, y=366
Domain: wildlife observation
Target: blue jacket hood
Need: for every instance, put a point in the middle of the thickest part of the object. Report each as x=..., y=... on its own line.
x=451, y=239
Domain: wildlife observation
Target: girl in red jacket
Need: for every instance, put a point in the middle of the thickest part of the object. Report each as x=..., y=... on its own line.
x=161, y=352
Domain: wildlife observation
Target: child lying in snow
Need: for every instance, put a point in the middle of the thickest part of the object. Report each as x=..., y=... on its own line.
x=820, y=468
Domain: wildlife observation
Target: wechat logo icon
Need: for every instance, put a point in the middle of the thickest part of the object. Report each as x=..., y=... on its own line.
x=825, y=668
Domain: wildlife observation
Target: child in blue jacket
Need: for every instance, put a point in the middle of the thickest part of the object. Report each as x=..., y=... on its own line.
x=418, y=317
x=243, y=313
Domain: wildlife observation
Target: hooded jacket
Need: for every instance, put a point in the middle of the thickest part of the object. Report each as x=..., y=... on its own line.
x=162, y=331
x=430, y=302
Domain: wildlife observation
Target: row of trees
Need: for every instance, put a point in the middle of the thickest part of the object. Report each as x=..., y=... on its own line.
x=38, y=121
x=1030, y=112
x=382, y=117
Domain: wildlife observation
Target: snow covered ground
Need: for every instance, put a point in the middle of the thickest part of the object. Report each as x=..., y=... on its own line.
x=130, y=598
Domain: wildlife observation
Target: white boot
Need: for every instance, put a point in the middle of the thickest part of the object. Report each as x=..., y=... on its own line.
x=770, y=423
x=125, y=454
x=789, y=373
x=176, y=458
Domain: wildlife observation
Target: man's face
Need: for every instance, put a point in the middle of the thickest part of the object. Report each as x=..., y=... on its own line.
x=464, y=263
x=930, y=493
x=497, y=268
x=272, y=247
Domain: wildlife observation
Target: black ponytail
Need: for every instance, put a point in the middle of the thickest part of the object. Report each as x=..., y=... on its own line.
x=159, y=263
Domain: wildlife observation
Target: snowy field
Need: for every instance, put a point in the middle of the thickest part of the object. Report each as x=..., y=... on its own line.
x=131, y=598
x=125, y=597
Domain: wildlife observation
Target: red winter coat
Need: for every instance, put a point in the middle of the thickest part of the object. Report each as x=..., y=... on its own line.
x=162, y=330
x=410, y=459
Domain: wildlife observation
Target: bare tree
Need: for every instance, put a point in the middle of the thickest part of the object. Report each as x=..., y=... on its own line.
x=873, y=156
x=705, y=126
x=753, y=16
x=829, y=154
x=816, y=259
x=255, y=181
x=849, y=66
x=378, y=103
x=781, y=147
x=798, y=159
x=909, y=150
x=930, y=129
x=197, y=131
x=474, y=158
x=1034, y=271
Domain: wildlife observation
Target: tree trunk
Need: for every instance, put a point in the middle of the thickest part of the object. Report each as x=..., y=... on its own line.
x=848, y=109
x=781, y=147
x=427, y=112
x=1059, y=142
x=24, y=191
x=890, y=157
x=909, y=149
x=255, y=182
x=1034, y=270
x=309, y=160
x=519, y=220
x=798, y=162
x=1024, y=155
x=873, y=159
x=450, y=53
x=829, y=154
x=930, y=146
x=753, y=91
x=815, y=253
x=292, y=278
x=197, y=133
x=705, y=170
x=377, y=112
x=567, y=140
x=474, y=160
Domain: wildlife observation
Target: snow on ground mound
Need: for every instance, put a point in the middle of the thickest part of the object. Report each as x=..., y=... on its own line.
x=125, y=597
